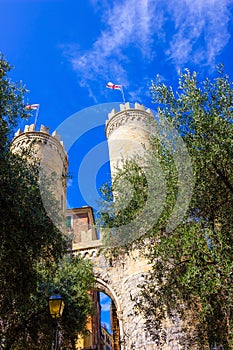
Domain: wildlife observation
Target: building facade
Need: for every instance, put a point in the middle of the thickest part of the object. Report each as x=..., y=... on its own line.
x=128, y=132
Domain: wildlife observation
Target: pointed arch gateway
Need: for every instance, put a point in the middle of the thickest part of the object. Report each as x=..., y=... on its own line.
x=116, y=312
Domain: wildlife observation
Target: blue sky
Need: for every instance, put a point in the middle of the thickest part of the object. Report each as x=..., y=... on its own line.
x=65, y=51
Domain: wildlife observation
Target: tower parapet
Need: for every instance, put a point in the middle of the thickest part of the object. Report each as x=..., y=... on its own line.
x=51, y=155
x=128, y=132
x=128, y=115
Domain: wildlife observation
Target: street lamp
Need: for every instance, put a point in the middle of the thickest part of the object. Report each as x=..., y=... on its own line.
x=56, y=307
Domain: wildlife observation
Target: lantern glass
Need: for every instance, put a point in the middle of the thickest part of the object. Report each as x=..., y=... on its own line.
x=56, y=306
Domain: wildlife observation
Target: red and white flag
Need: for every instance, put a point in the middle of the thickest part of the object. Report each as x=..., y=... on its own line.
x=32, y=107
x=113, y=86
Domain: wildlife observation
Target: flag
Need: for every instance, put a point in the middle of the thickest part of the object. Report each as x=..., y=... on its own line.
x=32, y=107
x=113, y=86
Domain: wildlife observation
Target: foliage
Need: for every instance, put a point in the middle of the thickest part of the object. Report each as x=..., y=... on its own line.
x=31, y=246
x=11, y=102
x=75, y=276
x=191, y=262
x=116, y=215
x=201, y=248
x=35, y=329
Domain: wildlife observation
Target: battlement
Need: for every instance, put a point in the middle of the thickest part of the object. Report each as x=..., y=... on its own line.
x=24, y=138
x=44, y=131
x=49, y=152
x=46, y=146
x=137, y=115
x=126, y=107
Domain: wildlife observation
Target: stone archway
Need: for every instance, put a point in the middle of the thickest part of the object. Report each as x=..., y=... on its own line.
x=116, y=312
x=119, y=280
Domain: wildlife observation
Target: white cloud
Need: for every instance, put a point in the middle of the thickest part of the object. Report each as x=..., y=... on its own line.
x=186, y=31
x=201, y=30
x=125, y=24
x=139, y=91
x=105, y=302
x=103, y=297
x=106, y=306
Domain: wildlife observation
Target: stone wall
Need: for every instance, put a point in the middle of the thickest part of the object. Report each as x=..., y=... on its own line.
x=128, y=132
x=119, y=279
x=49, y=151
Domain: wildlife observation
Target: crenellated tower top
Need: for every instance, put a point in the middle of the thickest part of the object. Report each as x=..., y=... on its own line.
x=50, y=153
x=129, y=133
x=23, y=138
x=128, y=115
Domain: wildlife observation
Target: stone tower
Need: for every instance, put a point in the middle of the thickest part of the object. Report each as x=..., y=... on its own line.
x=128, y=132
x=51, y=155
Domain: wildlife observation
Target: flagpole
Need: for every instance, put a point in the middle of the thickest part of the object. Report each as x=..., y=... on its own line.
x=122, y=92
x=36, y=116
x=116, y=87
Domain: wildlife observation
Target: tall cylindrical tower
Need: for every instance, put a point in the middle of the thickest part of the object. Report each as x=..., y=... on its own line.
x=51, y=155
x=128, y=132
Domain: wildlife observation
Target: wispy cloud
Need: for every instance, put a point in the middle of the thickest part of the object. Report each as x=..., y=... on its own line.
x=200, y=30
x=185, y=31
x=105, y=302
x=125, y=24
x=106, y=306
x=103, y=297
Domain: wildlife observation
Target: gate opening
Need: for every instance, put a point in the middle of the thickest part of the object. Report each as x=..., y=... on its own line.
x=109, y=323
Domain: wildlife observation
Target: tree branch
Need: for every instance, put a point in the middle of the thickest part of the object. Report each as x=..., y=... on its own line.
x=224, y=178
